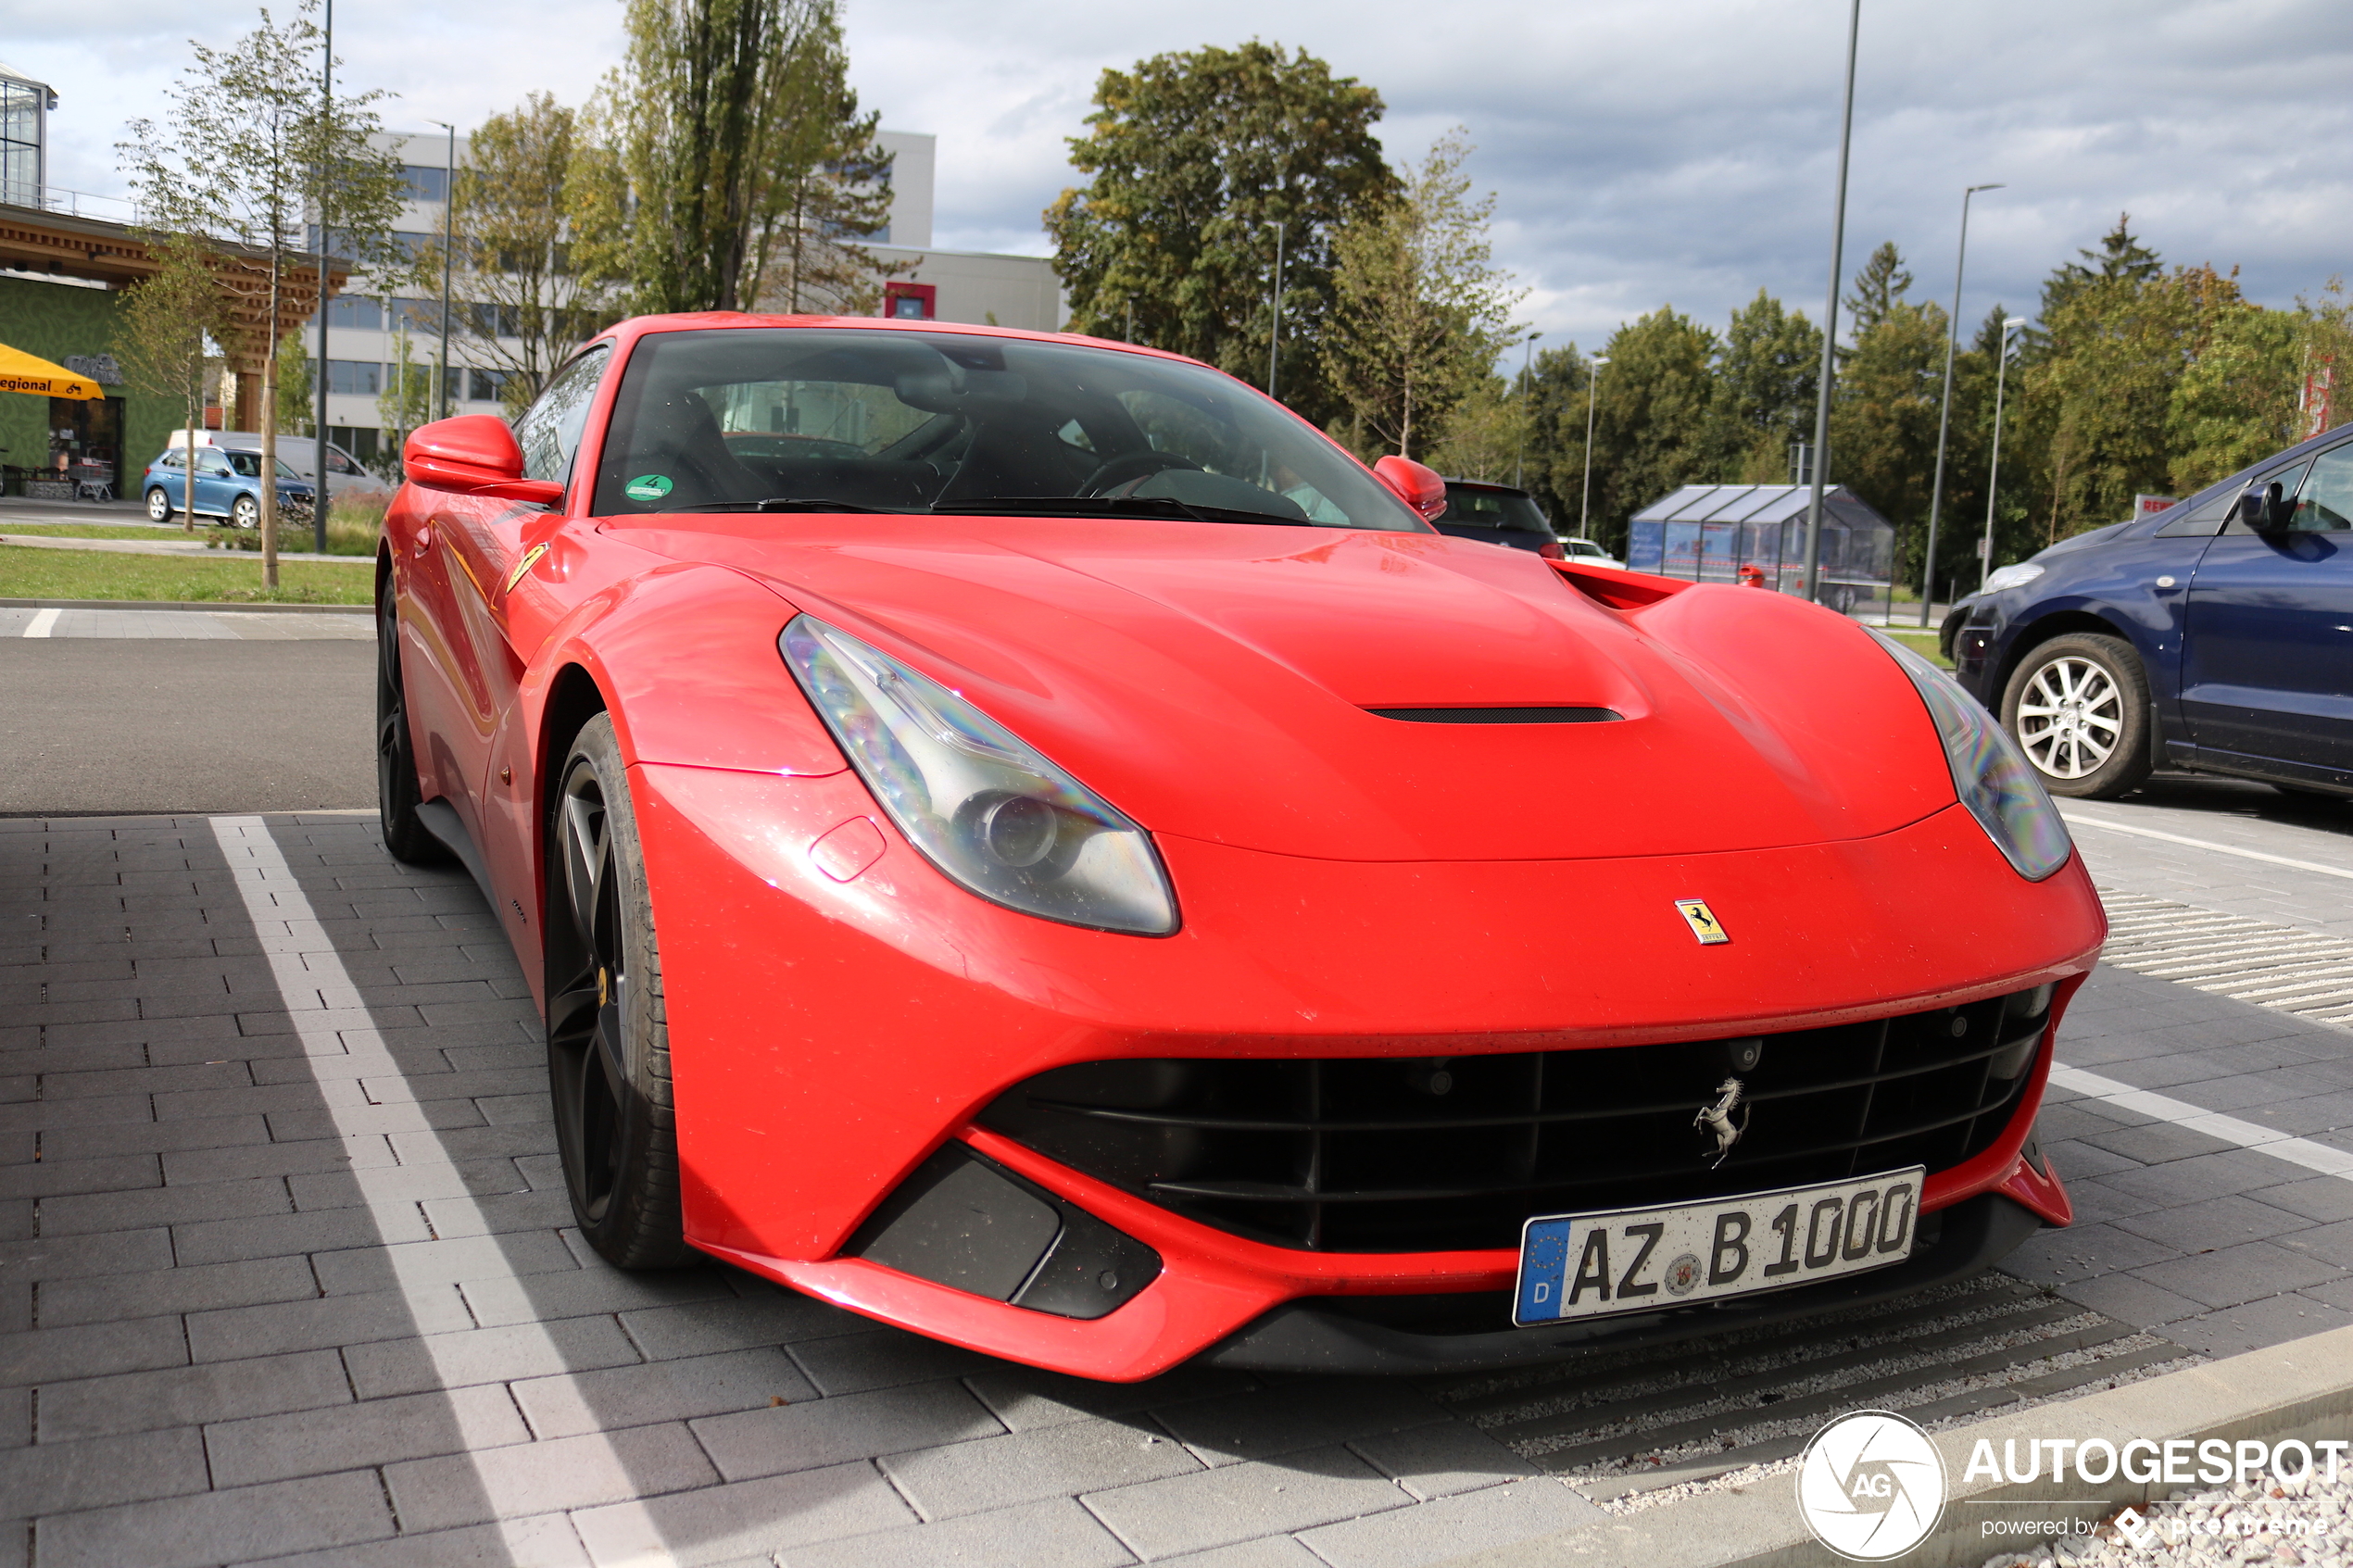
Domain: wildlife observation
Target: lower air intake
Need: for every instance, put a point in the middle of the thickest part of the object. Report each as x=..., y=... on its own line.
x=1427, y=1154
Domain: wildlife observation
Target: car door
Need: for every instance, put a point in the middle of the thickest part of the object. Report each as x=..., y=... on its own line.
x=2268, y=661
x=493, y=547
x=214, y=481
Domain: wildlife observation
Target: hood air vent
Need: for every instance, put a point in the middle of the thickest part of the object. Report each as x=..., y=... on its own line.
x=1499, y=715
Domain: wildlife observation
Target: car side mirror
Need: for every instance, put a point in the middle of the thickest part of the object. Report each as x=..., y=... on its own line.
x=1418, y=485
x=2265, y=508
x=473, y=454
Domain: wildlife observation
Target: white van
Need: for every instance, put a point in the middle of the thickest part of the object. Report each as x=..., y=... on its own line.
x=345, y=476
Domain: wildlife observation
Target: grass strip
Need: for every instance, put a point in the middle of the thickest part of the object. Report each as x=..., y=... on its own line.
x=105, y=574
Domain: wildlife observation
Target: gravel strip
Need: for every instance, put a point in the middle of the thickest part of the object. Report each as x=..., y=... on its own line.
x=2309, y=1523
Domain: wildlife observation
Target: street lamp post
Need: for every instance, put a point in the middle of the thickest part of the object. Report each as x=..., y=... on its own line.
x=448, y=252
x=1592, y=391
x=1993, y=478
x=1275, y=310
x=1519, y=458
x=1944, y=417
x=326, y=185
x=1829, y=321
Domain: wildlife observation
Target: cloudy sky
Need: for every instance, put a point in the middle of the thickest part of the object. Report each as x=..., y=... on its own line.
x=1643, y=151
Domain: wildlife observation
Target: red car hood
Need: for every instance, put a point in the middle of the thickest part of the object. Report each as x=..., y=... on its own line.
x=1213, y=680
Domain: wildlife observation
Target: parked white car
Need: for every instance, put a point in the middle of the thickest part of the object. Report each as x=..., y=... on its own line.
x=1587, y=553
x=345, y=474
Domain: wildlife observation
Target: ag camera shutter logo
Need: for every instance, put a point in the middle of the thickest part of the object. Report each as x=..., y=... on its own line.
x=1871, y=1485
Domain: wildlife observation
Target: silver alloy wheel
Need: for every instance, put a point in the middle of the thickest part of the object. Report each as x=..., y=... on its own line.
x=2069, y=717
x=158, y=506
x=245, y=513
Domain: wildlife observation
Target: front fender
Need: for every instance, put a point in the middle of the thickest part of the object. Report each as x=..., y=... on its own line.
x=683, y=658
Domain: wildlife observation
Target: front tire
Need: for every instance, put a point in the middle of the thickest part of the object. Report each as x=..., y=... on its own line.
x=158, y=506
x=607, y=1029
x=397, y=794
x=2078, y=706
x=245, y=512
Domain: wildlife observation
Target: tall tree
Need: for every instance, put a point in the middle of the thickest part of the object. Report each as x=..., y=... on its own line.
x=1558, y=383
x=1191, y=160
x=1421, y=311
x=1883, y=418
x=731, y=125
x=2234, y=403
x=1650, y=429
x=245, y=148
x=831, y=187
x=162, y=335
x=1879, y=288
x=1766, y=377
x=529, y=300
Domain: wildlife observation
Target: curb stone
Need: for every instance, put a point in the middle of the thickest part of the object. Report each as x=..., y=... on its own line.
x=2303, y=1389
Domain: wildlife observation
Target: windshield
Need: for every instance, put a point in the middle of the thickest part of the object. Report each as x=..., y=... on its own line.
x=809, y=419
x=1477, y=506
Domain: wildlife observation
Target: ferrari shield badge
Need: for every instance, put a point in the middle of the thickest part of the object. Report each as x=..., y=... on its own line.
x=531, y=558
x=1703, y=921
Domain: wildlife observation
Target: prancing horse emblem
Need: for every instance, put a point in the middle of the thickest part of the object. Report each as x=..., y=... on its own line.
x=1703, y=921
x=1730, y=1096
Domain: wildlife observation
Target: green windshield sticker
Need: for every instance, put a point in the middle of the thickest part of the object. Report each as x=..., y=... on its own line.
x=648, y=487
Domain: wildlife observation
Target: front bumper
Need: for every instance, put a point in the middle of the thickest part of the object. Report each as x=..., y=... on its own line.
x=1323, y=1335
x=830, y=1036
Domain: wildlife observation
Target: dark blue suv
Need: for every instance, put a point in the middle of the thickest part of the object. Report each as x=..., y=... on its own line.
x=2216, y=635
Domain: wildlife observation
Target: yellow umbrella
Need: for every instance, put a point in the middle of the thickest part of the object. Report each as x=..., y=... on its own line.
x=21, y=372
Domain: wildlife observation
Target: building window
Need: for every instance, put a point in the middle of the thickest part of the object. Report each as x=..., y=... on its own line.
x=20, y=140
x=362, y=441
x=427, y=181
x=355, y=311
x=355, y=378
x=417, y=315
x=488, y=385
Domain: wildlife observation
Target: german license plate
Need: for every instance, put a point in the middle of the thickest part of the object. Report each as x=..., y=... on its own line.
x=1642, y=1259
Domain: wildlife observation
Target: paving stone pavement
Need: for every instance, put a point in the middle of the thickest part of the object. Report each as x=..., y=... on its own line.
x=2217, y=1247
x=286, y=1275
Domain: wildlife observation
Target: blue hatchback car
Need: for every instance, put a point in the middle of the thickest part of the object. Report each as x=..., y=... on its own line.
x=227, y=486
x=2216, y=635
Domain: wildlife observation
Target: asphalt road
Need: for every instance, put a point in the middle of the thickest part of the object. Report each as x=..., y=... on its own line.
x=117, y=725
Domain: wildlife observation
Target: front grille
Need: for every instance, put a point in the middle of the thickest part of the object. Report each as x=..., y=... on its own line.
x=1415, y=1154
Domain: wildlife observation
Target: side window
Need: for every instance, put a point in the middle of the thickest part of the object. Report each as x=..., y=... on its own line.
x=212, y=463
x=2324, y=505
x=549, y=431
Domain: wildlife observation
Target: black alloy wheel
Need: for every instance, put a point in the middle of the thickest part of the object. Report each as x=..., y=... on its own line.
x=397, y=794
x=2079, y=707
x=608, y=1033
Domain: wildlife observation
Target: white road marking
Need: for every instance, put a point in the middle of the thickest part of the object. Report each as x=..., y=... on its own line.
x=2077, y=819
x=2230, y=1129
x=322, y=1003
x=42, y=624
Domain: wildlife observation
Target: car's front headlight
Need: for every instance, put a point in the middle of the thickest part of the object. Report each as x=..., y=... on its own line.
x=2004, y=577
x=1990, y=773
x=980, y=805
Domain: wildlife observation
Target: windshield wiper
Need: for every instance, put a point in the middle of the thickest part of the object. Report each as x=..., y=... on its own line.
x=784, y=503
x=1111, y=506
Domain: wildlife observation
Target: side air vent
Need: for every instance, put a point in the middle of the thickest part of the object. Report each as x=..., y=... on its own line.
x=1499, y=715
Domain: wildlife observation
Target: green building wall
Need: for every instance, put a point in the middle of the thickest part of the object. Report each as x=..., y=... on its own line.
x=53, y=320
